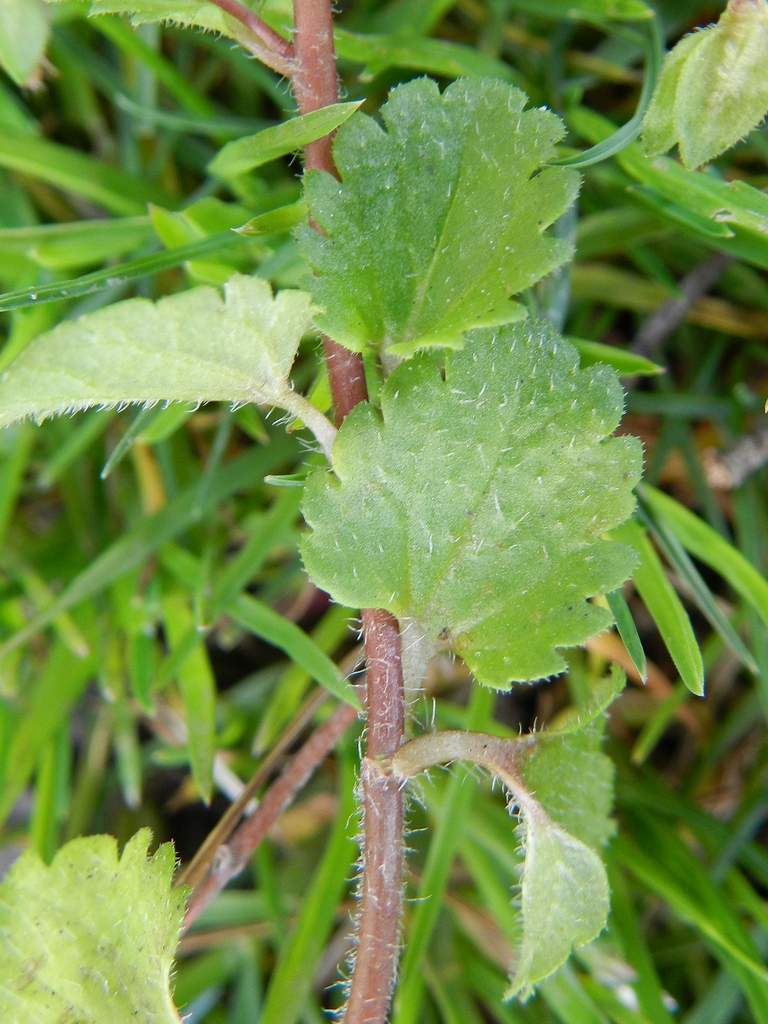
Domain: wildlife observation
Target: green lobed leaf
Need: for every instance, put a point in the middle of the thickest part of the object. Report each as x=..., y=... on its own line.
x=92, y=937
x=243, y=155
x=429, y=233
x=23, y=38
x=194, y=346
x=476, y=504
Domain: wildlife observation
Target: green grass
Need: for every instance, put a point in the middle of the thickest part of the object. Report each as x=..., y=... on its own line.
x=157, y=633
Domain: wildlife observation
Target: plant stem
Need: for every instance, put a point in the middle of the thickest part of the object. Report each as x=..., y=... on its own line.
x=378, y=939
x=322, y=428
x=233, y=857
x=262, y=41
x=315, y=85
x=194, y=872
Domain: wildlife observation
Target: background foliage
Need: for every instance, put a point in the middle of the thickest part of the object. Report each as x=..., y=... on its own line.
x=144, y=556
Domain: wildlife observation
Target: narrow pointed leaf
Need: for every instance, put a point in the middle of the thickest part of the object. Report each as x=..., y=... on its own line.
x=625, y=624
x=428, y=234
x=266, y=623
x=626, y=363
x=477, y=504
x=710, y=548
x=246, y=154
x=665, y=607
x=197, y=686
x=678, y=558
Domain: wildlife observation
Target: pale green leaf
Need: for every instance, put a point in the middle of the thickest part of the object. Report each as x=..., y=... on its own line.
x=563, y=873
x=196, y=346
x=23, y=38
x=92, y=937
x=713, y=88
x=246, y=154
x=659, y=131
x=569, y=776
x=561, y=785
x=190, y=13
x=476, y=503
x=430, y=231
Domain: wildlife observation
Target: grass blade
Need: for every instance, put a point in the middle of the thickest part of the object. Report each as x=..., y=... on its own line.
x=665, y=607
x=710, y=547
x=625, y=624
x=120, y=273
x=260, y=619
x=244, y=155
x=299, y=957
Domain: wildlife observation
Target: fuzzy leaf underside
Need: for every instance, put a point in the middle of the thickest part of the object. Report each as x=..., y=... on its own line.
x=439, y=217
x=713, y=89
x=194, y=346
x=189, y=13
x=560, y=787
x=477, y=504
x=92, y=937
x=565, y=820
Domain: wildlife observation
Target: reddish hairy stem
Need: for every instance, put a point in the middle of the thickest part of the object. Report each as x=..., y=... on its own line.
x=381, y=885
x=315, y=85
x=311, y=65
x=266, y=44
x=233, y=856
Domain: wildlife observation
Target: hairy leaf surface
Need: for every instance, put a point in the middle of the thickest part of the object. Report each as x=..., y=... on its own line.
x=565, y=803
x=190, y=13
x=713, y=88
x=439, y=216
x=476, y=504
x=92, y=937
x=561, y=787
x=194, y=346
